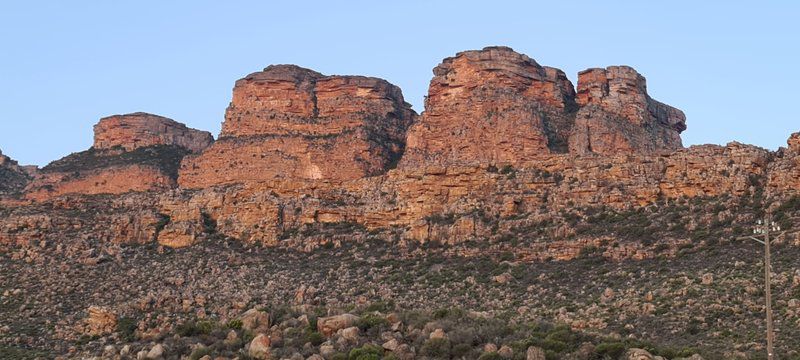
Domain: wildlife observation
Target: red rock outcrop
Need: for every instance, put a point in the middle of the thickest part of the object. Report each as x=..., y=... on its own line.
x=491, y=106
x=617, y=115
x=293, y=163
x=294, y=123
x=137, y=130
x=496, y=106
x=135, y=152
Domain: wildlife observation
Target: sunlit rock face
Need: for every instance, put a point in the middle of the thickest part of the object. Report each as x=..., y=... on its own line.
x=289, y=122
x=616, y=115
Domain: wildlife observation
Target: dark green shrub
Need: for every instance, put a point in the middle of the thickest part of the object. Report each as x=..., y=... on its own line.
x=611, y=350
x=436, y=348
x=490, y=355
x=126, y=327
x=194, y=328
x=234, y=324
x=366, y=352
x=315, y=338
x=371, y=321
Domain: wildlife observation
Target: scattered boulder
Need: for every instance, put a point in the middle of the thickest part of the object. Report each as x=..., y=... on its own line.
x=535, y=353
x=100, y=321
x=438, y=334
x=255, y=320
x=328, y=326
x=156, y=352
x=506, y=352
x=260, y=347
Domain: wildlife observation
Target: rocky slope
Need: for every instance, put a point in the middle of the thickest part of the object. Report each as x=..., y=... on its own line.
x=332, y=191
x=13, y=177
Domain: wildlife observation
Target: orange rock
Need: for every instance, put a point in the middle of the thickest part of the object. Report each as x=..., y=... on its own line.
x=617, y=115
x=136, y=130
x=293, y=123
x=491, y=106
x=134, y=152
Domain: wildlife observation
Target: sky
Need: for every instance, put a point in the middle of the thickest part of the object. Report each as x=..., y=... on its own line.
x=731, y=66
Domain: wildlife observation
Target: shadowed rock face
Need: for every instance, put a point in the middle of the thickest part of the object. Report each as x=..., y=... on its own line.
x=13, y=177
x=137, y=130
x=291, y=122
x=617, y=115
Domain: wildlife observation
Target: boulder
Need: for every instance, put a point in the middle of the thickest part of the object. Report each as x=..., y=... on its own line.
x=534, y=353
x=255, y=320
x=259, y=347
x=330, y=325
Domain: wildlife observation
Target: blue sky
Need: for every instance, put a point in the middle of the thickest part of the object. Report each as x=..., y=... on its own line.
x=731, y=66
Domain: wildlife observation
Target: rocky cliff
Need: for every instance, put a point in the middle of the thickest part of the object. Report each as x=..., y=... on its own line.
x=508, y=165
x=287, y=122
x=133, y=152
x=492, y=106
x=132, y=131
x=616, y=115
x=496, y=106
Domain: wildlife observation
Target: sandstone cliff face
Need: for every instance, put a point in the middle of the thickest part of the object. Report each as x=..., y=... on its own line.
x=134, y=152
x=617, y=115
x=301, y=154
x=496, y=106
x=290, y=122
x=137, y=130
x=491, y=106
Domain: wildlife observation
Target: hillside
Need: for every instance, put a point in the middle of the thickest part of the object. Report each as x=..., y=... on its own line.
x=518, y=216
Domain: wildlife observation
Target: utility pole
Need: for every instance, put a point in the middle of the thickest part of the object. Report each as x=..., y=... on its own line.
x=764, y=229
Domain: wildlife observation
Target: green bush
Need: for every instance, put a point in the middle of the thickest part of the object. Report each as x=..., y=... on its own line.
x=490, y=355
x=436, y=348
x=194, y=328
x=126, y=327
x=198, y=353
x=234, y=324
x=611, y=350
x=315, y=338
x=370, y=321
x=461, y=350
x=366, y=352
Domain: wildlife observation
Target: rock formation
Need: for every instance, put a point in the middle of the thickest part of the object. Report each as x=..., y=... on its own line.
x=293, y=123
x=13, y=177
x=496, y=106
x=134, y=152
x=492, y=106
x=617, y=115
x=302, y=152
x=132, y=131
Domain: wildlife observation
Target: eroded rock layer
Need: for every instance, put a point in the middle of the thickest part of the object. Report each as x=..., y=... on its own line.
x=132, y=131
x=291, y=122
x=134, y=152
x=617, y=115
x=496, y=106
x=491, y=106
